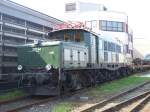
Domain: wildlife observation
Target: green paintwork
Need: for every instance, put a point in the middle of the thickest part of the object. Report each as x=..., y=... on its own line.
x=39, y=56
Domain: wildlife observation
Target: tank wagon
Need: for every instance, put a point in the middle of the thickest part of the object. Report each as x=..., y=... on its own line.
x=73, y=59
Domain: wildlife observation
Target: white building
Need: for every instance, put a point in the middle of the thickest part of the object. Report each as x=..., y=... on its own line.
x=106, y=23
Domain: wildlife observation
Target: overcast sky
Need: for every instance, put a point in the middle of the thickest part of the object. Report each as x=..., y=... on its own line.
x=138, y=12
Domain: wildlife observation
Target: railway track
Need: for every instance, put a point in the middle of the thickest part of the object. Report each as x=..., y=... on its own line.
x=8, y=86
x=13, y=100
x=24, y=103
x=134, y=104
x=121, y=101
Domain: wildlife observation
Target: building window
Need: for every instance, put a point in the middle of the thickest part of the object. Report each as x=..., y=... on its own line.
x=0, y=49
x=106, y=56
x=113, y=47
x=9, y=59
x=120, y=26
x=117, y=58
x=114, y=26
x=109, y=46
x=33, y=34
x=47, y=29
x=13, y=20
x=34, y=26
x=103, y=25
x=105, y=45
x=111, y=26
x=0, y=27
x=13, y=40
x=0, y=38
x=0, y=59
x=13, y=30
x=29, y=41
x=70, y=7
x=127, y=49
x=9, y=49
x=118, y=49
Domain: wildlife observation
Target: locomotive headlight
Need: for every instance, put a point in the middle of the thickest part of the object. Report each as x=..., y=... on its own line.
x=20, y=67
x=48, y=67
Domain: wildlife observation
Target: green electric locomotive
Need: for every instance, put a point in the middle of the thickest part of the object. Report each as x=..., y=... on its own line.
x=70, y=60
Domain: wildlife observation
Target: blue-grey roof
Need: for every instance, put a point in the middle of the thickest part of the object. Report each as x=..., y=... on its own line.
x=20, y=11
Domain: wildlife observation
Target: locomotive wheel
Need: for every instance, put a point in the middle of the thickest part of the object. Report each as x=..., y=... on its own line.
x=73, y=81
x=114, y=74
x=123, y=72
x=85, y=78
x=90, y=77
x=107, y=75
x=76, y=83
x=118, y=75
x=99, y=77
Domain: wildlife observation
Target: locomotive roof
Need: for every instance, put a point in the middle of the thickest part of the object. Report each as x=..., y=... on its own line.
x=65, y=29
x=56, y=42
x=95, y=32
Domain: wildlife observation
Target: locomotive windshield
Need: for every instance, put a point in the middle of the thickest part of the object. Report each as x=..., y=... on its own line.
x=67, y=35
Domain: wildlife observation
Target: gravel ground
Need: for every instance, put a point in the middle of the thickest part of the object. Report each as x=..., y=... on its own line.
x=40, y=108
x=8, y=106
x=45, y=107
x=146, y=108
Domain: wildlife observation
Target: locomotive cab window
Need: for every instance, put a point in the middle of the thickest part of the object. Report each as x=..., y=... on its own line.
x=56, y=36
x=78, y=36
x=68, y=36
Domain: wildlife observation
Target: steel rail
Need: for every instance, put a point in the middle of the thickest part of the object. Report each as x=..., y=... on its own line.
x=127, y=102
x=101, y=104
x=31, y=104
x=141, y=105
